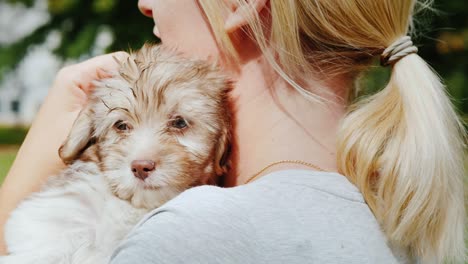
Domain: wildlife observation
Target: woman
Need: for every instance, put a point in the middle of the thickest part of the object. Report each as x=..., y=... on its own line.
x=398, y=196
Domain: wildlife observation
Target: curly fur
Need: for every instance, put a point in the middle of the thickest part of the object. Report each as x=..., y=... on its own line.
x=82, y=214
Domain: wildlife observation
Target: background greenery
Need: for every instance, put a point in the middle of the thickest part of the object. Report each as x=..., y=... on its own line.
x=7, y=155
x=441, y=34
x=10, y=139
x=79, y=22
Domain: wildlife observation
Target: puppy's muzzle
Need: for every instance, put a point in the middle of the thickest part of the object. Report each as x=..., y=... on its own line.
x=143, y=168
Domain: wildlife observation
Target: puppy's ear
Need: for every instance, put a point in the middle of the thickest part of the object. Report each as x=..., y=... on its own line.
x=223, y=146
x=222, y=152
x=80, y=137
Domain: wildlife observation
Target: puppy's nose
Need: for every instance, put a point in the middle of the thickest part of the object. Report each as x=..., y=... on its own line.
x=142, y=168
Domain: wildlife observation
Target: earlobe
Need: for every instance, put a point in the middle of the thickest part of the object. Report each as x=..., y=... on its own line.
x=240, y=15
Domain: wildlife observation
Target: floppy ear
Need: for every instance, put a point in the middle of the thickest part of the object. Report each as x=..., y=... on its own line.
x=223, y=146
x=80, y=137
x=222, y=152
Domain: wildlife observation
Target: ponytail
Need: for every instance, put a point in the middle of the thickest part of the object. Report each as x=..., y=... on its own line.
x=403, y=148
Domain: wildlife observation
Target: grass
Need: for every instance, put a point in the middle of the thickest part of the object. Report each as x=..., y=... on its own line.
x=7, y=155
x=10, y=139
x=12, y=135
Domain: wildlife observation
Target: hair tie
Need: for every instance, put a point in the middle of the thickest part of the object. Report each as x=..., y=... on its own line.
x=398, y=50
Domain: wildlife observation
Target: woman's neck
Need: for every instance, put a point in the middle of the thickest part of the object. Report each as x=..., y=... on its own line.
x=274, y=122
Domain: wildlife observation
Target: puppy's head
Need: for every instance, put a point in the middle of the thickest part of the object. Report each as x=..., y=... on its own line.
x=157, y=128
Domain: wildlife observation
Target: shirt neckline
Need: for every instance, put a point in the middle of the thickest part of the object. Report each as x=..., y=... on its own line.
x=330, y=182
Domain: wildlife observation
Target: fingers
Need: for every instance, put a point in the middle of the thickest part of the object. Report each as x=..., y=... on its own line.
x=84, y=73
x=106, y=61
x=74, y=83
x=102, y=74
x=104, y=64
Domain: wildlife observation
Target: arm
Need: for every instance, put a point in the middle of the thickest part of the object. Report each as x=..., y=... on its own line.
x=38, y=156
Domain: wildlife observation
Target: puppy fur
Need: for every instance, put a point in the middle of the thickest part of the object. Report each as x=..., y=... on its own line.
x=158, y=107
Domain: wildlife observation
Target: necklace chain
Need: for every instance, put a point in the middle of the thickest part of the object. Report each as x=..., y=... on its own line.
x=308, y=164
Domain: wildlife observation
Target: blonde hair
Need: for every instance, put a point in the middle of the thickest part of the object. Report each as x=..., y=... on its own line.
x=402, y=147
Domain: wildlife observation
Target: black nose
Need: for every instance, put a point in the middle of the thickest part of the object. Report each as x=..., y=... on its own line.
x=142, y=168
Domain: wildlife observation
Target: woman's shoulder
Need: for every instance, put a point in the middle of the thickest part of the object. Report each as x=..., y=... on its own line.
x=277, y=191
x=279, y=187
x=290, y=216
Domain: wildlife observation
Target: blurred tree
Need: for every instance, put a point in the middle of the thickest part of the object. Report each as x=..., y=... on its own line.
x=441, y=34
x=28, y=3
x=79, y=22
x=445, y=47
x=442, y=37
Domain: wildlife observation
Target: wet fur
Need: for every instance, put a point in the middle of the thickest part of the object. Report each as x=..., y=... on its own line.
x=82, y=214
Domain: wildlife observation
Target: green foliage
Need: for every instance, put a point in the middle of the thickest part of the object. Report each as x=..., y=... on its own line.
x=103, y=6
x=444, y=45
x=28, y=3
x=60, y=7
x=11, y=55
x=441, y=34
x=82, y=43
x=12, y=135
x=10, y=139
x=373, y=79
x=79, y=22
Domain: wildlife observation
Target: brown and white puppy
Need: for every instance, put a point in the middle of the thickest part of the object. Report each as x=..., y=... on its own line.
x=155, y=129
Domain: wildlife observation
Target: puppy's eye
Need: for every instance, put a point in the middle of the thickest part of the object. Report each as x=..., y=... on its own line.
x=121, y=126
x=179, y=122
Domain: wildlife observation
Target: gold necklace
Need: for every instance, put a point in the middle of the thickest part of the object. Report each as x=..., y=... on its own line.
x=308, y=164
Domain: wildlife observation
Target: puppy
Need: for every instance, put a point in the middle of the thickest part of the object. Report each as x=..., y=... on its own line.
x=155, y=129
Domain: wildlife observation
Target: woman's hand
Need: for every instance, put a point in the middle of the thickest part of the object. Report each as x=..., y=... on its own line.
x=73, y=83
x=38, y=156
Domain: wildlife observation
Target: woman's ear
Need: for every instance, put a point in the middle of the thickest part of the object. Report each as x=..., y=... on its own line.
x=240, y=13
x=80, y=137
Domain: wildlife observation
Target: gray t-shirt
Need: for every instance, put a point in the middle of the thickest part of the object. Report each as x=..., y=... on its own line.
x=289, y=216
